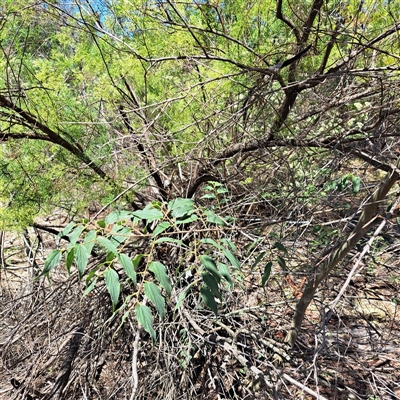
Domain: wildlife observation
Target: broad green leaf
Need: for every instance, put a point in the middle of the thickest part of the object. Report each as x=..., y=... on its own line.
x=281, y=247
x=52, y=260
x=90, y=287
x=210, y=281
x=180, y=299
x=89, y=240
x=209, y=264
x=229, y=243
x=149, y=215
x=208, y=196
x=181, y=207
x=258, y=259
x=161, y=227
x=145, y=318
x=69, y=259
x=81, y=258
x=231, y=258
x=117, y=216
x=266, y=274
x=127, y=264
x=187, y=220
x=213, y=218
x=65, y=231
x=137, y=259
x=224, y=271
x=160, y=273
x=119, y=234
x=112, y=284
x=209, y=300
x=101, y=224
x=212, y=242
x=169, y=240
x=153, y=293
x=74, y=235
x=107, y=244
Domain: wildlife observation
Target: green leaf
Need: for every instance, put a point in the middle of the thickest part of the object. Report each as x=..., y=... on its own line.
x=229, y=243
x=127, y=265
x=212, y=242
x=74, y=235
x=213, y=218
x=187, y=220
x=90, y=287
x=169, y=240
x=258, y=259
x=208, y=196
x=160, y=273
x=209, y=300
x=151, y=214
x=282, y=264
x=154, y=295
x=112, y=284
x=180, y=299
x=137, y=259
x=356, y=182
x=117, y=216
x=224, y=271
x=52, y=260
x=231, y=258
x=209, y=264
x=266, y=274
x=280, y=246
x=181, y=207
x=119, y=234
x=66, y=230
x=107, y=244
x=101, y=224
x=161, y=227
x=210, y=281
x=145, y=318
x=89, y=240
x=81, y=258
x=69, y=259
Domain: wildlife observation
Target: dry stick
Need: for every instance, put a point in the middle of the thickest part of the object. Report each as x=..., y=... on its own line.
x=337, y=253
x=303, y=387
x=364, y=252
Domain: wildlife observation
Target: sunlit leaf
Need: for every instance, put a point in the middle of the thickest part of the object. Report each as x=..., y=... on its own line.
x=181, y=207
x=154, y=295
x=149, y=215
x=145, y=318
x=74, y=235
x=169, y=240
x=231, y=258
x=107, y=244
x=161, y=227
x=127, y=264
x=89, y=240
x=52, y=260
x=81, y=258
x=117, y=216
x=213, y=218
x=112, y=284
x=160, y=272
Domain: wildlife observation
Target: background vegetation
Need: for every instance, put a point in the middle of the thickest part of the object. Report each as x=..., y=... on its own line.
x=199, y=199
